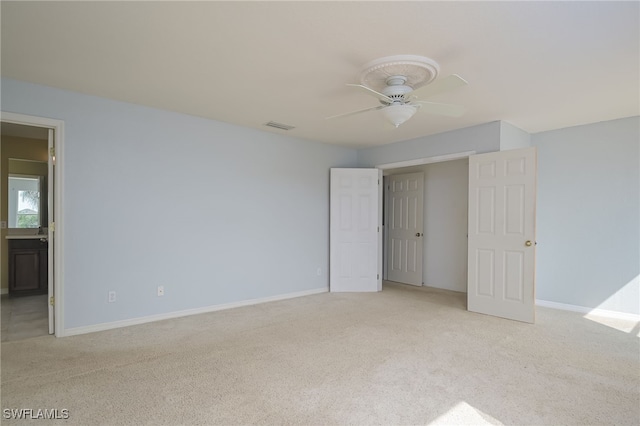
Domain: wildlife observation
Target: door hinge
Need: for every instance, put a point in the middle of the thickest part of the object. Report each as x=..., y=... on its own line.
x=52, y=151
x=378, y=276
x=52, y=226
x=378, y=229
x=52, y=301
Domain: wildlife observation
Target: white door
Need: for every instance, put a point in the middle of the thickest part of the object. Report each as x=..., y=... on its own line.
x=405, y=226
x=50, y=236
x=355, y=238
x=501, y=263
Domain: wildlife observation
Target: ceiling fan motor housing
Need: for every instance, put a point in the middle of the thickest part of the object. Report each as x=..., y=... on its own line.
x=396, y=88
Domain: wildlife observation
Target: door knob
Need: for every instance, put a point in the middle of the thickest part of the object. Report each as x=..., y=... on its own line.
x=418, y=234
x=528, y=243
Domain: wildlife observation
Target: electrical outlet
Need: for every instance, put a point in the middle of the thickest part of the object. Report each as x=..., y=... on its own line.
x=3, y=224
x=112, y=296
x=160, y=290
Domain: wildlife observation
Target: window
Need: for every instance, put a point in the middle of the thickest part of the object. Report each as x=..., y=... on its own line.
x=24, y=201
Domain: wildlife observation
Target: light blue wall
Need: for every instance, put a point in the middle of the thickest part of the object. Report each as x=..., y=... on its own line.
x=446, y=206
x=480, y=138
x=589, y=215
x=215, y=213
x=253, y=221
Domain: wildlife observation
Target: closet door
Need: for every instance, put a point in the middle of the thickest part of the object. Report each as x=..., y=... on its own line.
x=355, y=238
x=406, y=228
x=502, y=232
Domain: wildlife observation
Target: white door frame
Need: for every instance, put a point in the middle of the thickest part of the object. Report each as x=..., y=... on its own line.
x=57, y=246
x=426, y=160
x=389, y=167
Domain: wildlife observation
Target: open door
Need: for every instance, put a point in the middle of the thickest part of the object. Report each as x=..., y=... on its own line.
x=501, y=261
x=355, y=237
x=405, y=226
x=51, y=227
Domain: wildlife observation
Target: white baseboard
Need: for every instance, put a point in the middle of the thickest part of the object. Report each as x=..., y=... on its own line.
x=4, y=291
x=591, y=311
x=177, y=314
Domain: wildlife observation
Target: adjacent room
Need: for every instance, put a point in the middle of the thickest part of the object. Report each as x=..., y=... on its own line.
x=235, y=212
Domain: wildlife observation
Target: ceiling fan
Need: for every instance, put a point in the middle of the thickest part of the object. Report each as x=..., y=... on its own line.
x=398, y=82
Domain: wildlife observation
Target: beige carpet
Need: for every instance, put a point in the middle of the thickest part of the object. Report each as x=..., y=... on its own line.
x=403, y=356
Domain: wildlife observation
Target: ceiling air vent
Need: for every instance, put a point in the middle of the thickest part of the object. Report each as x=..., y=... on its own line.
x=279, y=125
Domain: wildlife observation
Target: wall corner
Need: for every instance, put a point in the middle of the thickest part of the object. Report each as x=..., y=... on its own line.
x=512, y=137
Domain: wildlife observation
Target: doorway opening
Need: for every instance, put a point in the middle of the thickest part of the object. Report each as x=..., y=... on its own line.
x=433, y=251
x=31, y=252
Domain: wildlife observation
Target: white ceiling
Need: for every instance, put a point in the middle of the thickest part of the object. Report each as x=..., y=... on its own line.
x=537, y=65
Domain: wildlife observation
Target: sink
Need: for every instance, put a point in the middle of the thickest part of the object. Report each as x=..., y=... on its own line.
x=26, y=237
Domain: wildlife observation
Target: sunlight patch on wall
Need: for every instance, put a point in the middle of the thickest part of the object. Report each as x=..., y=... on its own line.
x=606, y=314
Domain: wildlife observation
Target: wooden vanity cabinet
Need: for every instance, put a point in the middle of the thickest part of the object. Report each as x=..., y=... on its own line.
x=28, y=266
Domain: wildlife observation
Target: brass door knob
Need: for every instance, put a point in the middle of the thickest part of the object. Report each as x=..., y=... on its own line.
x=528, y=243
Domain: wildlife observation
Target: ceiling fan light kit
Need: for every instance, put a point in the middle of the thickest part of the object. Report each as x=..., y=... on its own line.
x=394, y=80
x=398, y=114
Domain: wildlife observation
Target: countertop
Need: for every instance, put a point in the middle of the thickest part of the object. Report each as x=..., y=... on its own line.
x=26, y=237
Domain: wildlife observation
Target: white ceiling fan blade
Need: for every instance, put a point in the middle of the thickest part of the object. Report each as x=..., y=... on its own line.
x=354, y=112
x=439, y=86
x=441, y=109
x=370, y=91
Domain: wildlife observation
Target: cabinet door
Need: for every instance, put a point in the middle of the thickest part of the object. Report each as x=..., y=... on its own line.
x=44, y=268
x=25, y=270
